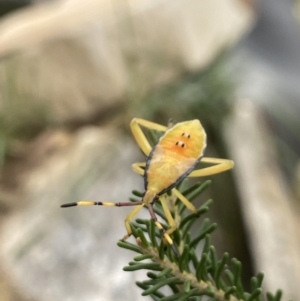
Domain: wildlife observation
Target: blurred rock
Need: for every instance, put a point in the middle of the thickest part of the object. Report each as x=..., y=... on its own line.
x=50, y=253
x=72, y=60
x=69, y=62
x=296, y=10
x=270, y=216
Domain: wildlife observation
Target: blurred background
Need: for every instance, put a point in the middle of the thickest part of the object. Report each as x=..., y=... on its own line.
x=72, y=76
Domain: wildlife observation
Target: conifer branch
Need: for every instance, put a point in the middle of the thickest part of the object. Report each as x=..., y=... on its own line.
x=190, y=276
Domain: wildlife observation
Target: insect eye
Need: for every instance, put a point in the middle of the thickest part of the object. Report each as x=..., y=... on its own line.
x=180, y=143
x=187, y=135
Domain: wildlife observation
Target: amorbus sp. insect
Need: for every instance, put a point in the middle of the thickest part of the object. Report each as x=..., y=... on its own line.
x=171, y=160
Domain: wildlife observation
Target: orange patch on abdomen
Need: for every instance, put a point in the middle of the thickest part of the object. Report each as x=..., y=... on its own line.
x=165, y=168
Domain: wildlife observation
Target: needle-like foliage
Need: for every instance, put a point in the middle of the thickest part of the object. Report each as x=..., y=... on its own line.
x=197, y=274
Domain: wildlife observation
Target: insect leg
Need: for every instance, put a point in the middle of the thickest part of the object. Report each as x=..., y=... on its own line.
x=168, y=214
x=162, y=229
x=137, y=167
x=140, y=137
x=185, y=201
x=130, y=216
x=220, y=166
x=139, y=206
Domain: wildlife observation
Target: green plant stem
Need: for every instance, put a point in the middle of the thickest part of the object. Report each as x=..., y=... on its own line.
x=201, y=286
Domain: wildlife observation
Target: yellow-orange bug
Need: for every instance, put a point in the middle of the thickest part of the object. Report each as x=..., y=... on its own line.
x=171, y=160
